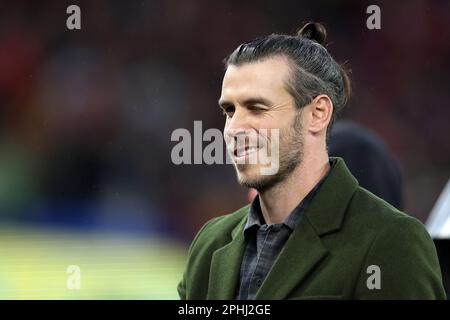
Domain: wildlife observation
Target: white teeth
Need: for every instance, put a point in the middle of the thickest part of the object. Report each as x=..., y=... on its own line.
x=242, y=153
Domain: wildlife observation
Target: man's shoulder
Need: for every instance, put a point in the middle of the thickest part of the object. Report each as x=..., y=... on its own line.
x=397, y=244
x=369, y=202
x=219, y=230
x=374, y=215
x=228, y=221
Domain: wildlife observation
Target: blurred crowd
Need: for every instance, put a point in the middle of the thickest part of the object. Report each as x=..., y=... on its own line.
x=86, y=115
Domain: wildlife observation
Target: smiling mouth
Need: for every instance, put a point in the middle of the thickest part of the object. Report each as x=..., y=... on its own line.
x=245, y=152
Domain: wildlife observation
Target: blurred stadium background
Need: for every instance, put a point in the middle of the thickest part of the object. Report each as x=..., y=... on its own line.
x=86, y=116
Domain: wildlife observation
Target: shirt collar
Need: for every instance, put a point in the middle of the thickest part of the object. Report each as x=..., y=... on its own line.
x=255, y=217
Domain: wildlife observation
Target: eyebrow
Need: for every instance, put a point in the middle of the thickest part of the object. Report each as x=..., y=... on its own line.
x=247, y=102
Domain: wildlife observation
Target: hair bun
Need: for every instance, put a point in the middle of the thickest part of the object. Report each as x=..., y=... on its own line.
x=314, y=31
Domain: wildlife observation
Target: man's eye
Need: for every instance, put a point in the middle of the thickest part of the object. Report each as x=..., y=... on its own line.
x=256, y=108
x=228, y=112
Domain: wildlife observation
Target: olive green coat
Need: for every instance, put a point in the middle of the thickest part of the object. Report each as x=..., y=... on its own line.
x=349, y=244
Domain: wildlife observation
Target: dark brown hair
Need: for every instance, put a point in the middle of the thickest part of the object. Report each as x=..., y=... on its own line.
x=314, y=71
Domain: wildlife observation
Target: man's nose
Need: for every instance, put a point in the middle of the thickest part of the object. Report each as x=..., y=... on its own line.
x=238, y=124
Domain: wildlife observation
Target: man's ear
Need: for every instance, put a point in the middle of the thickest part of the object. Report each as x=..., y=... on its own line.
x=321, y=110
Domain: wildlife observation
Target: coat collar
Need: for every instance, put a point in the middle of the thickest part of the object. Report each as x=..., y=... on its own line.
x=302, y=252
x=328, y=208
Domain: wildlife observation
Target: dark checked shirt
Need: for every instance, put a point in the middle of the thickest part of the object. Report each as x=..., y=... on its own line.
x=264, y=243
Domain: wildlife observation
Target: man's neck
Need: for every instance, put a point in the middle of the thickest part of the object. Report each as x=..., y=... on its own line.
x=278, y=202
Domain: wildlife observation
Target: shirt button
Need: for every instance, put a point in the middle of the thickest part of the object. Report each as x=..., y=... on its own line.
x=259, y=282
x=276, y=227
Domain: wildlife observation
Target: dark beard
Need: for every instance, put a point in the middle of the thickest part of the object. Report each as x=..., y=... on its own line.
x=291, y=155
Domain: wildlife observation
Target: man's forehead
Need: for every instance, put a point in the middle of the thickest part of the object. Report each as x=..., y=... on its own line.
x=266, y=75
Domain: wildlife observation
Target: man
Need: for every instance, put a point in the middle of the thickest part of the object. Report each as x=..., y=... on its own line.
x=312, y=232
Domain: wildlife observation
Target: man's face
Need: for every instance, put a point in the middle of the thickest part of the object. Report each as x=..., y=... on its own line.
x=256, y=102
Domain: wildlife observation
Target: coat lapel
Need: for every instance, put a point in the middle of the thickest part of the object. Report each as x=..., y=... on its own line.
x=301, y=253
x=304, y=249
x=226, y=266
